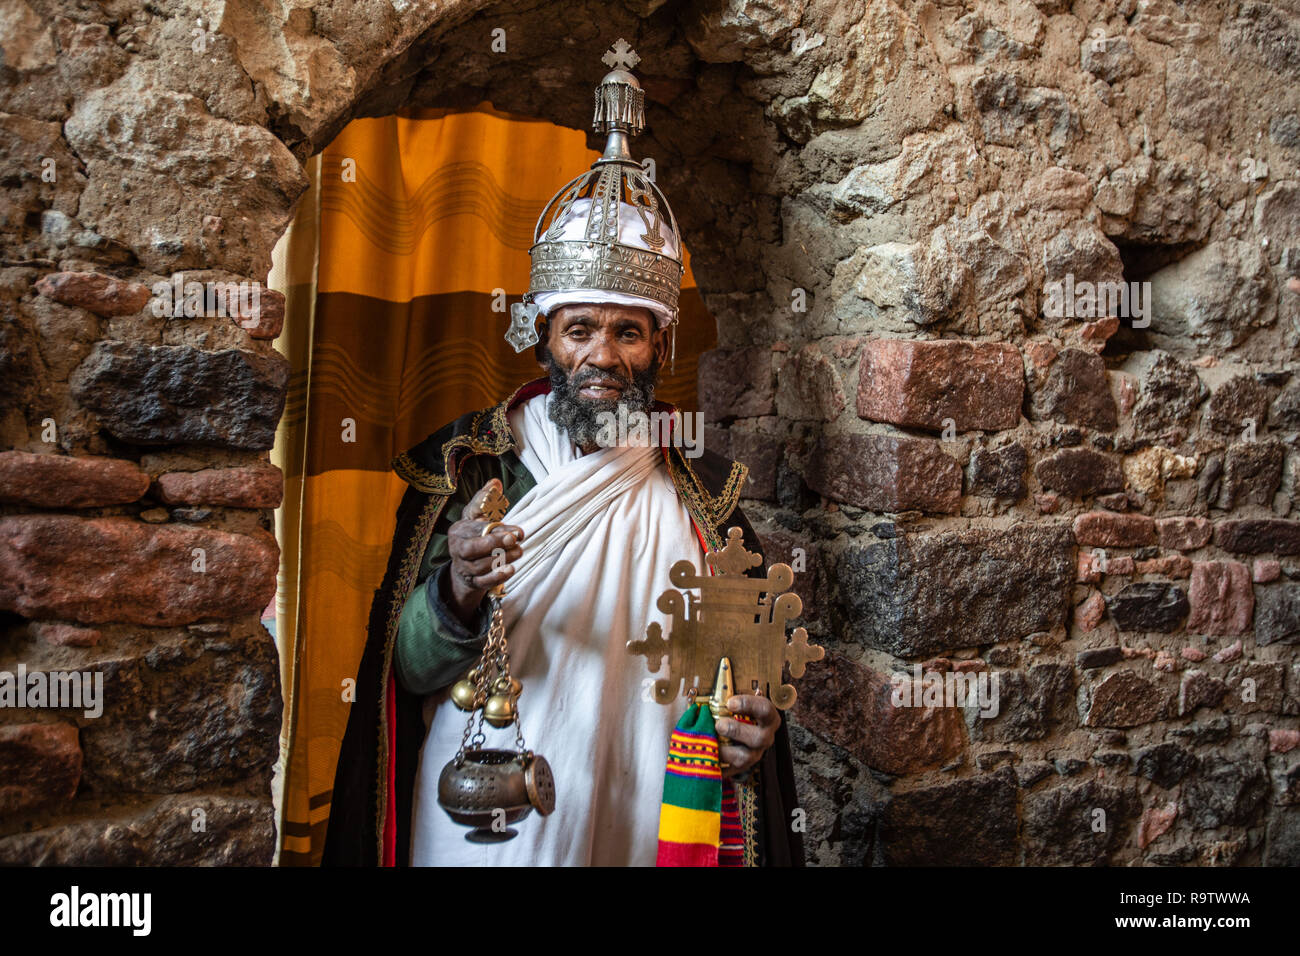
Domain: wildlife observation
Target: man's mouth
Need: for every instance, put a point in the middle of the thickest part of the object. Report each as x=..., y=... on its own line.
x=601, y=390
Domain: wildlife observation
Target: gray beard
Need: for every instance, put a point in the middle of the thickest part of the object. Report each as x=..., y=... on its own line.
x=579, y=416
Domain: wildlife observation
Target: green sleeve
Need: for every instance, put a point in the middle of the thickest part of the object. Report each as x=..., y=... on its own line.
x=434, y=648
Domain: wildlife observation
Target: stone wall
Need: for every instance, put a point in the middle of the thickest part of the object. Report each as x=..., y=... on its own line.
x=1098, y=506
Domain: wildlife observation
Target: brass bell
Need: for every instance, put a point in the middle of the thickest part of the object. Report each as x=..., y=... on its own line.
x=499, y=711
x=508, y=686
x=464, y=694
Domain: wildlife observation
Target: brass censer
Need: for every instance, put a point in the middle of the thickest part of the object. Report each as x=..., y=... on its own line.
x=486, y=789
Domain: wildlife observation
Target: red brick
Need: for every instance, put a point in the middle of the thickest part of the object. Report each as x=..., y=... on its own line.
x=1283, y=741
x=1121, y=565
x=1222, y=598
x=97, y=293
x=1089, y=568
x=1230, y=653
x=256, y=486
x=1089, y=613
x=1170, y=566
x=66, y=635
x=1184, y=534
x=1095, y=334
x=1110, y=530
x=979, y=385
x=1267, y=570
x=1155, y=822
x=61, y=481
x=268, y=320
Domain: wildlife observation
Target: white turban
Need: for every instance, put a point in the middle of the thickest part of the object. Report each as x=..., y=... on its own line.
x=573, y=223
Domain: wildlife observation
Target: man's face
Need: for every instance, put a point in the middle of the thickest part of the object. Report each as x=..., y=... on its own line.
x=600, y=357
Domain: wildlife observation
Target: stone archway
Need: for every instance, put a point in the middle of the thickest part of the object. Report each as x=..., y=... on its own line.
x=882, y=201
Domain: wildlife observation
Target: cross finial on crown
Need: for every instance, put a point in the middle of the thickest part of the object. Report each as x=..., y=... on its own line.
x=620, y=56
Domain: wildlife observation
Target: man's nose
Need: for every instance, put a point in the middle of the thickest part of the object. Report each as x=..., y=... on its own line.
x=603, y=354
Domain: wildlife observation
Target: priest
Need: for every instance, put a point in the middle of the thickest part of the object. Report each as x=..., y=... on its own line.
x=585, y=547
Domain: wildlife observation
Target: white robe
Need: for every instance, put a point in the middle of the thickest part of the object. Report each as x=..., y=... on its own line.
x=600, y=534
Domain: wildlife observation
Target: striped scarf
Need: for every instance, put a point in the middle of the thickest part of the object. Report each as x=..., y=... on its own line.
x=699, y=820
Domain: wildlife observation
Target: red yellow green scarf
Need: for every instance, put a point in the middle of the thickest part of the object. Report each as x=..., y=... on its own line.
x=699, y=820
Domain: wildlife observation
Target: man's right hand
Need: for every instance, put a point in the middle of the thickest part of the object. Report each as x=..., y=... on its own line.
x=472, y=574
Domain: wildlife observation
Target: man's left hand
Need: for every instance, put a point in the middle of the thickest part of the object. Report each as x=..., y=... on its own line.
x=748, y=741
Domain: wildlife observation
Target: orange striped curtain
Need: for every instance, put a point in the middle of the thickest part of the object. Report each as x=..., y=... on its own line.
x=398, y=270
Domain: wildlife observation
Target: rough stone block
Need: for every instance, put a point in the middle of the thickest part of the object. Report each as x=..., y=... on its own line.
x=808, y=387
x=921, y=384
x=1252, y=473
x=267, y=320
x=1164, y=763
x=239, y=831
x=1058, y=823
x=1258, y=536
x=1168, y=396
x=928, y=593
x=178, y=718
x=171, y=394
x=1148, y=606
x=39, y=764
x=980, y=829
x=1075, y=391
x=65, y=635
x=852, y=706
x=1081, y=472
x=736, y=383
x=762, y=451
x=886, y=473
x=1099, y=657
x=1234, y=404
x=1225, y=791
x=999, y=472
x=1029, y=703
x=100, y=570
x=1277, y=614
x=1123, y=699
x=1199, y=689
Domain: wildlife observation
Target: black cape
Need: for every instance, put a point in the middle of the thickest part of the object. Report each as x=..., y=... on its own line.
x=374, y=783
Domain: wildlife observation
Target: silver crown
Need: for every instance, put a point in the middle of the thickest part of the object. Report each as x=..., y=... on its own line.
x=599, y=260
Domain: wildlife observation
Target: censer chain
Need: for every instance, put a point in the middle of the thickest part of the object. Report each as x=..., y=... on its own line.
x=493, y=666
